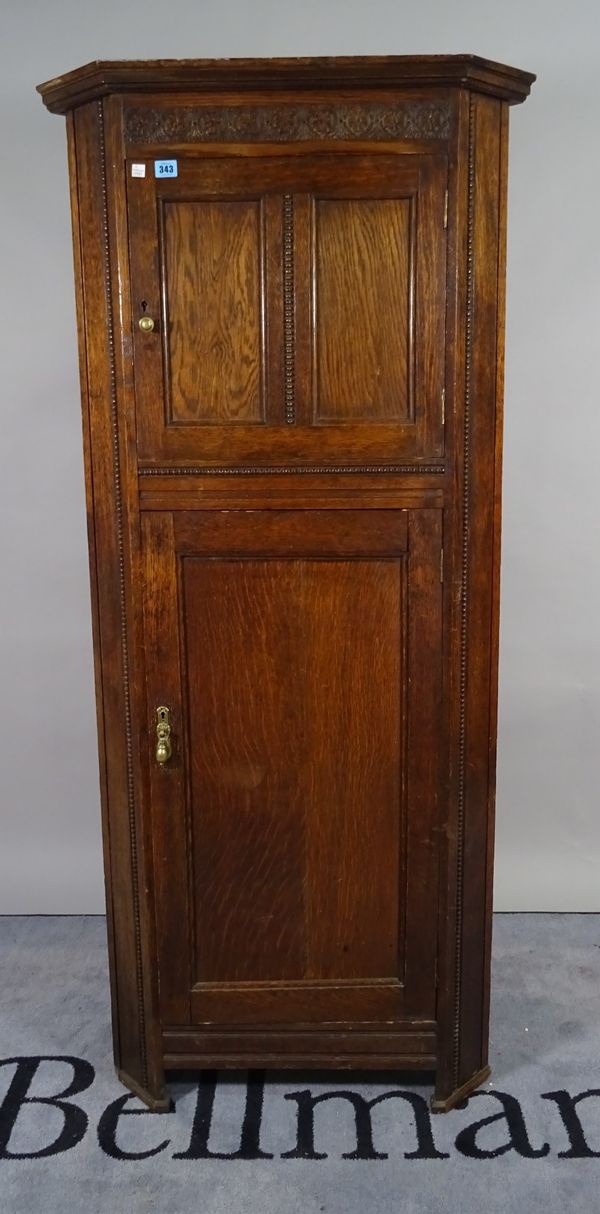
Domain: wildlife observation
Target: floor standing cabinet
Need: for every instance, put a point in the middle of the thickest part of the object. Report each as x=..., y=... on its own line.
x=290, y=280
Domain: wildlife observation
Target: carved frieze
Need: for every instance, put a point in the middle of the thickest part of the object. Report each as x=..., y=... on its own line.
x=369, y=120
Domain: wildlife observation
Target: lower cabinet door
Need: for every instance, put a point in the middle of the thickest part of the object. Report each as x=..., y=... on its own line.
x=295, y=821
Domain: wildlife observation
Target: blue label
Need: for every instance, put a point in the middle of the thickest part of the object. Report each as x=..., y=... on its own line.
x=165, y=168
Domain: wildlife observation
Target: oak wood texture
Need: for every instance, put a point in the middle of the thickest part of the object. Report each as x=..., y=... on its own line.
x=109, y=496
x=322, y=291
x=334, y=73
x=293, y=495
x=212, y=281
x=362, y=251
x=301, y=875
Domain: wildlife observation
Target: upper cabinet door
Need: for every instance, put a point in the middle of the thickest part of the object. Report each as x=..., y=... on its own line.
x=298, y=309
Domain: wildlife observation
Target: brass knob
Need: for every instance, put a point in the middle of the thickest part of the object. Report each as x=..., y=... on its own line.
x=146, y=324
x=163, y=735
x=163, y=751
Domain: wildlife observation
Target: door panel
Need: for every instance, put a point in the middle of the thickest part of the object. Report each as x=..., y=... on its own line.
x=296, y=763
x=362, y=275
x=212, y=272
x=294, y=826
x=299, y=308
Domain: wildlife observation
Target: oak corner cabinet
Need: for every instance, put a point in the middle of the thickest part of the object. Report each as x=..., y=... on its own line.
x=290, y=287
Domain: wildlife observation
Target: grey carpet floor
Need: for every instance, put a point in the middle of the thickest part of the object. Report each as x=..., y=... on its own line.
x=254, y=1150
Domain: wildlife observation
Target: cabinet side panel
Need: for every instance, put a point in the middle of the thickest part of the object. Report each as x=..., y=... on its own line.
x=473, y=549
x=496, y=554
x=93, y=567
x=481, y=607
x=106, y=507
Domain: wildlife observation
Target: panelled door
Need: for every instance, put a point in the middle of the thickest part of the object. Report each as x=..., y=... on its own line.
x=293, y=315
x=294, y=824
x=291, y=308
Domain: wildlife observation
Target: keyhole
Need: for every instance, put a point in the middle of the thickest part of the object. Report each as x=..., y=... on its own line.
x=143, y=305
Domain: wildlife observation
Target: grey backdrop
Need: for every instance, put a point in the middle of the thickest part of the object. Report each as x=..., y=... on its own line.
x=548, y=835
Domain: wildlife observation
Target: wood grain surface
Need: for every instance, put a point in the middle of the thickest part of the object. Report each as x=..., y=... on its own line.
x=304, y=745
x=293, y=496
x=295, y=736
x=212, y=282
x=299, y=308
x=361, y=325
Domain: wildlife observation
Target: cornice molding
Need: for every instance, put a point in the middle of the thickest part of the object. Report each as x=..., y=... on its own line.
x=100, y=78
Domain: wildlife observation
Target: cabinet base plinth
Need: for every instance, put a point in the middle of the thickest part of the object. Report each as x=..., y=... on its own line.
x=157, y=1102
x=443, y=1104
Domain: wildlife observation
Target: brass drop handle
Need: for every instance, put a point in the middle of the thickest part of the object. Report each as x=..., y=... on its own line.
x=146, y=324
x=163, y=735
